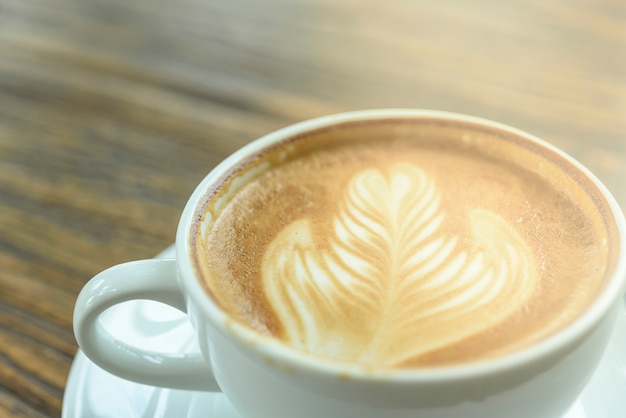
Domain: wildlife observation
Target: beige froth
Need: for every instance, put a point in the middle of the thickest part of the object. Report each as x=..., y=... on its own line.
x=404, y=246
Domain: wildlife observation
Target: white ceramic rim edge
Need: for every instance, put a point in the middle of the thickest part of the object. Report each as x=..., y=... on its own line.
x=271, y=348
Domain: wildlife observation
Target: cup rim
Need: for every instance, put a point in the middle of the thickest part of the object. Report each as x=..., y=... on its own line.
x=271, y=348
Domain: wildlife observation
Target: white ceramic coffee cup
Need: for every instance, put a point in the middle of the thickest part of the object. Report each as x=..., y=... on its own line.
x=264, y=378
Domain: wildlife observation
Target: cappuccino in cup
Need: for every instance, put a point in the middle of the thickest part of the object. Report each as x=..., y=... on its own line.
x=403, y=243
x=386, y=263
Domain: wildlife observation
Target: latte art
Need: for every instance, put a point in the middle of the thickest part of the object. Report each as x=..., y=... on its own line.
x=402, y=244
x=393, y=285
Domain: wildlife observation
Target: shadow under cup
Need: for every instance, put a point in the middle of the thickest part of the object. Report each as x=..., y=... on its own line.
x=387, y=263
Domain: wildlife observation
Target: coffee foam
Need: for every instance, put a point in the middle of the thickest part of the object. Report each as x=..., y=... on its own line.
x=403, y=246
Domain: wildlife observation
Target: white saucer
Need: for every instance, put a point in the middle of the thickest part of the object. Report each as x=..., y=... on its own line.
x=92, y=392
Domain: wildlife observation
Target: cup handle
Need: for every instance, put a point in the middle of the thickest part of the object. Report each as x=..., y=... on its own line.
x=155, y=280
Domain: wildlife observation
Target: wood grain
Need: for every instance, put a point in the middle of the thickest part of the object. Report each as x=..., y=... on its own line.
x=111, y=112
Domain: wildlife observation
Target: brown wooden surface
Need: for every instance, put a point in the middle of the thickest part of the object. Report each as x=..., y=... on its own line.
x=112, y=111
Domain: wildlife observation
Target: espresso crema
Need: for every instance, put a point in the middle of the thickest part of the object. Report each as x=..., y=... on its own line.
x=403, y=244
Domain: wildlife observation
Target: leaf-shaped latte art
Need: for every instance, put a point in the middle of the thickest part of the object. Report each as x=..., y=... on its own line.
x=390, y=284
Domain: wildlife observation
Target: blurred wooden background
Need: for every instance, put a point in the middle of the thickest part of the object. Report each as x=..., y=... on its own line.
x=112, y=111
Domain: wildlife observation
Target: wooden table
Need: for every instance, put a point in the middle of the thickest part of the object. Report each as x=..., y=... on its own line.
x=112, y=111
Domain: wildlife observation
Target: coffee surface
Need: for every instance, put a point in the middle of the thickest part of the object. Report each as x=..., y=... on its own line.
x=395, y=244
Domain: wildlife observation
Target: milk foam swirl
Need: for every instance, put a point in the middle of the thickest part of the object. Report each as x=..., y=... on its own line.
x=391, y=282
